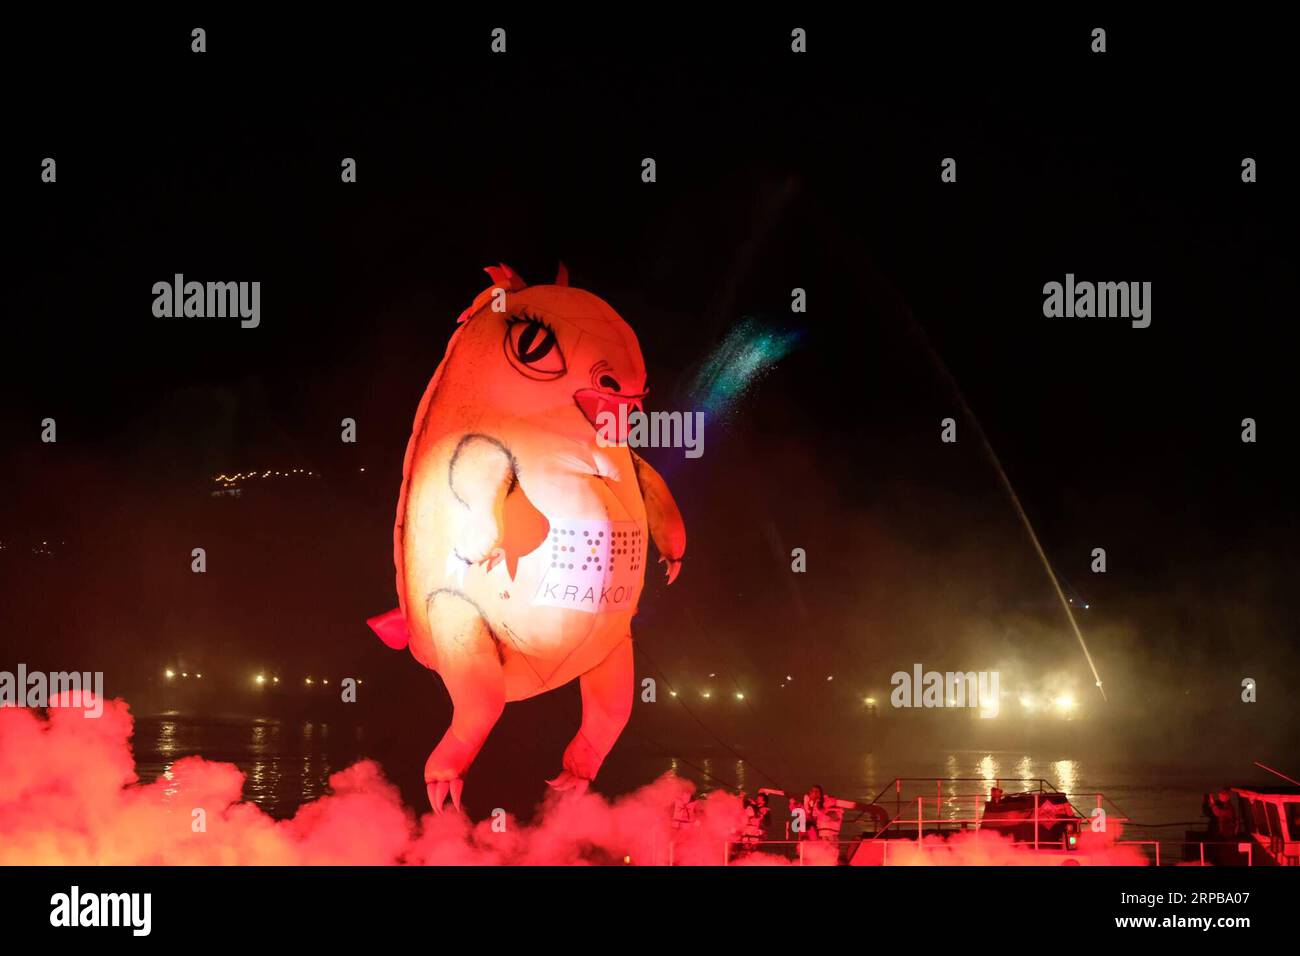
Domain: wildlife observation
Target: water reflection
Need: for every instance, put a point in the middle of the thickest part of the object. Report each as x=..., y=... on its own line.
x=288, y=762
x=167, y=775
x=988, y=769
x=1065, y=774
x=949, y=808
x=166, y=745
x=955, y=784
x=285, y=763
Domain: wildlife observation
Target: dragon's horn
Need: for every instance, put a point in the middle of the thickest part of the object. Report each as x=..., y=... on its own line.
x=506, y=277
x=503, y=277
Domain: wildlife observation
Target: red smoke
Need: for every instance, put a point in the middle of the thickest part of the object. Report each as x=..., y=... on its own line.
x=69, y=794
x=988, y=848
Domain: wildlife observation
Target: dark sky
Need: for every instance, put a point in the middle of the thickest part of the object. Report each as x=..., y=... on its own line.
x=774, y=171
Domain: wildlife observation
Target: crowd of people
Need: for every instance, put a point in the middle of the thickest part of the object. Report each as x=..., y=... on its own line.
x=813, y=816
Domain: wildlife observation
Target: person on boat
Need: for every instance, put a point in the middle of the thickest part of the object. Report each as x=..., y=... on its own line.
x=754, y=829
x=831, y=818
x=684, y=808
x=830, y=821
x=812, y=805
x=1223, y=821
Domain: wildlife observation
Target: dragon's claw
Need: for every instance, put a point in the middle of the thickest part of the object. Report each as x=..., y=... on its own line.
x=568, y=780
x=440, y=789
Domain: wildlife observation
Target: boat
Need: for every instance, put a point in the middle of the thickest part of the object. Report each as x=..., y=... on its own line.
x=1250, y=825
x=1037, y=818
x=1254, y=826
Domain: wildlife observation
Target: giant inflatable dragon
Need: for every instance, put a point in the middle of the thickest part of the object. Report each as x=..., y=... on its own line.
x=522, y=526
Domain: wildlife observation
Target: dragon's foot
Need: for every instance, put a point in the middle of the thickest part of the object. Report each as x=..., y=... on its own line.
x=581, y=762
x=568, y=780
x=444, y=771
x=439, y=789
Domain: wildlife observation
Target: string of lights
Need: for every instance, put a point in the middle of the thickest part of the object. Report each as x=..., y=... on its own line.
x=726, y=746
x=227, y=480
x=258, y=680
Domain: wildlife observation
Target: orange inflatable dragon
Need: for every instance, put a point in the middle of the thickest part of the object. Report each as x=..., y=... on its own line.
x=521, y=538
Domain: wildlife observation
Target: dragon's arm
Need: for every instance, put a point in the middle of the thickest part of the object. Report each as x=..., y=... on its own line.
x=666, y=525
x=482, y=473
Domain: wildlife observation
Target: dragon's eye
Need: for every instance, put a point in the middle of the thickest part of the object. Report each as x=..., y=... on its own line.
x=532, y=348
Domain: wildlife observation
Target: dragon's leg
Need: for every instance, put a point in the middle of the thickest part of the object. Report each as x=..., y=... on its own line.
x=471, y=669
x=606, y=706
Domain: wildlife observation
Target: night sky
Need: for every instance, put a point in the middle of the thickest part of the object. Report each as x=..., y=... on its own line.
x=775, y=171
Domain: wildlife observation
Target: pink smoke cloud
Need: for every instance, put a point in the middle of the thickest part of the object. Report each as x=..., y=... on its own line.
x=988, y=848
x=70, y=795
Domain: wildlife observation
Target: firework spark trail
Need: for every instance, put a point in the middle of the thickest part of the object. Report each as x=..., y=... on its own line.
x=749, y=351
x=1042, y=555
x=1015, y=500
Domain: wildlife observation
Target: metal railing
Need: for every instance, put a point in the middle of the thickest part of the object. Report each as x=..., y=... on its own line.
x=902, y=819
x=977, y=820
x=804, y=848
x=980, y=795
x=811, y=852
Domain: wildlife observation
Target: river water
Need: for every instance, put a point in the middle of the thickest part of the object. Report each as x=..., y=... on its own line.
x=288, y=761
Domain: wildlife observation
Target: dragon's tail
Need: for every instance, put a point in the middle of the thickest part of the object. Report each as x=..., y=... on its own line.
x=391, y=628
